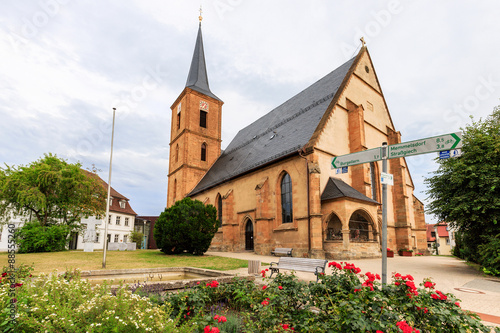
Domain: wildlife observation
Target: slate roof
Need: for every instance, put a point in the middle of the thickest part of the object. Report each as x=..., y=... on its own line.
x=278, y=134
x=197, y=77
x=336, y=188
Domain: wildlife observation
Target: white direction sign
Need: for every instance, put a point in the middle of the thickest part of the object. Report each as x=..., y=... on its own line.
x=424, y=146
x=359, y=157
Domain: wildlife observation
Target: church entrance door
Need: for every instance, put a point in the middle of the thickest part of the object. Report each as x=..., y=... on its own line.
x=249, y=235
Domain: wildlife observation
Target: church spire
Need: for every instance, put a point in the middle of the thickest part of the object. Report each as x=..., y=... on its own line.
x=198, y=78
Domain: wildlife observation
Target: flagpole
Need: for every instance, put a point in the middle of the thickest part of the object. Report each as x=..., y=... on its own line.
x=106, y=218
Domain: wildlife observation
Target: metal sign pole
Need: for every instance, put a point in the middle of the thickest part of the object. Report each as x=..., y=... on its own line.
x=384, y=217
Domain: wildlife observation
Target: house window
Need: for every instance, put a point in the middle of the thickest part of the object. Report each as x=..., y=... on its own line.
x=178, y=120
x=125, y=238
x=126, y=221
x=118, y=218
x=97, y=237
x=109, y=219
x=286, y=199
x=204, y=152
x=433, y=234
x=219, y=210
x=123, y=203
x=116, y=238
x=203, y=119
x=111, y=201
x=447, y=241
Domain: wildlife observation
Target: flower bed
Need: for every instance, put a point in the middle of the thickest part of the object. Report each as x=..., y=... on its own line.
x=345, y=301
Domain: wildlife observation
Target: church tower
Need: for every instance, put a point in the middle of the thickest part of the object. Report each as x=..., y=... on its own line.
x=195, y=134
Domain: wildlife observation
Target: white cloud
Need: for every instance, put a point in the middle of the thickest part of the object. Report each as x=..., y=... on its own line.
x=60, y=77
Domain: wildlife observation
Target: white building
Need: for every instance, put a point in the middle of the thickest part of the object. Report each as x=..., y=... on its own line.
x=120, y=224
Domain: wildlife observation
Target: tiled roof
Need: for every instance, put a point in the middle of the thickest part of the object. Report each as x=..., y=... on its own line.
x=115, y=206
x=441, y=231
x=336, y=188
x=278, y=134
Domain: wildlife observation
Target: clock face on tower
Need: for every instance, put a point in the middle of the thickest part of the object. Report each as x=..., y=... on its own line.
x=203, y=106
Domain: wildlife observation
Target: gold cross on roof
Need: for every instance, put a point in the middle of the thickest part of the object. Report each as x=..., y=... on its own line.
x=200, y=17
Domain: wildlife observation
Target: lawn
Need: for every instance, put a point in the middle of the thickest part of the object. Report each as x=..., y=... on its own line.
x=69, y=260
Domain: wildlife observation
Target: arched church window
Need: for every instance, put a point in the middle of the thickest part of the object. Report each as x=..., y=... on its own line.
x=203, y=119
x=334, y=228
x=219, y=209
x=175, y=189
x=178, y=120
x=360, y=228
x=373, y=176
x=204, y=152
x=286, y=199
x=177, y=153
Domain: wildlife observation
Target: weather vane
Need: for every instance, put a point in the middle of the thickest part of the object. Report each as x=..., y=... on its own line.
x=200, y=17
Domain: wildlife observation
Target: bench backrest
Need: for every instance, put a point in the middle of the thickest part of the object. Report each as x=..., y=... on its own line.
x=282, y=250
x=305, y=264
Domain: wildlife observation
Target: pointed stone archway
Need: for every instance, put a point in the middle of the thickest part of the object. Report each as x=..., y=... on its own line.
x=249, y=238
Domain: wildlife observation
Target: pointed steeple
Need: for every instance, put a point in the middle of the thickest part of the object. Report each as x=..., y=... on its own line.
x=198, y=78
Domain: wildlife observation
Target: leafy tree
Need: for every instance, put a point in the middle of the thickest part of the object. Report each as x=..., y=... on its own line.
x=465, y=191
x=188, y=226
x=136, y=237
x=50, y=190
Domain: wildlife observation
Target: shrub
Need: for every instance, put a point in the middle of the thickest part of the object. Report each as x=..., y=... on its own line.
x=489, y=255
x=345, y=301
x=187, y=226
x=68, y=304
x=33, y=237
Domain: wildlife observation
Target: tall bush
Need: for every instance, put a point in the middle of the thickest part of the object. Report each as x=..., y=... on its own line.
x=187, y=226
x=34, y=237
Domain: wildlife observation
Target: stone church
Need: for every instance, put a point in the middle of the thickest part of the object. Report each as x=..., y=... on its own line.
x=273, y=186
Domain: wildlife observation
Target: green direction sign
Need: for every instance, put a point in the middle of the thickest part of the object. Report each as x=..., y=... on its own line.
x=359, y=157
x=424, y=146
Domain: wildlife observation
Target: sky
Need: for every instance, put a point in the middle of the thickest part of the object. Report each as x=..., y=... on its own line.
x=66, y=63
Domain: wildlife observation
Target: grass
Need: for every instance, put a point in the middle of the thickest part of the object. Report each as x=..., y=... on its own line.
x=69, y=260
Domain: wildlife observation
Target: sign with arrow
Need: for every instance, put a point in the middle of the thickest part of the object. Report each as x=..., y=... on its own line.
x=424, y=146
x=360, y=157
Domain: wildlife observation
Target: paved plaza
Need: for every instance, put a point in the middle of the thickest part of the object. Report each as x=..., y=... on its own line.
x=477, y=292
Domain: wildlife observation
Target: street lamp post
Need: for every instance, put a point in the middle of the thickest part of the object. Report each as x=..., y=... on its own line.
x=106, y=219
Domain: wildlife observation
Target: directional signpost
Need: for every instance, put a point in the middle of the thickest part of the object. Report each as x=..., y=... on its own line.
x=424, y=146
x=452, y=141
x=360, y=157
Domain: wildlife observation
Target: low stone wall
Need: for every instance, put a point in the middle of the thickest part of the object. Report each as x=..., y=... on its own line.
x=334, y=250
x=208, y=276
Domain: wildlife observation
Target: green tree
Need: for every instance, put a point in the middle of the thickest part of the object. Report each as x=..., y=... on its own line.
x=465, y=191
x=52, y=192
x=136, y=237
x=188, y=226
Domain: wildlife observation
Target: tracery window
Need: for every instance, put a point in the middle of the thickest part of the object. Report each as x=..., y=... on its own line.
x=286, y=199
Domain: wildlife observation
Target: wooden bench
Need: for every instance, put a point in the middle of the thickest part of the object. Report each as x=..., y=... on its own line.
x=316, y=266
x=282, y=250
